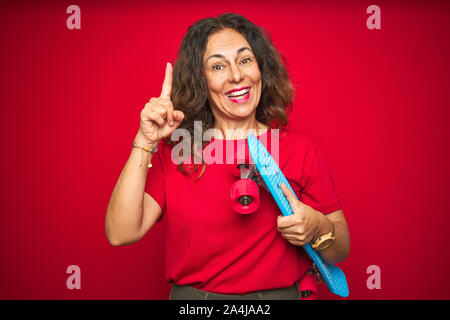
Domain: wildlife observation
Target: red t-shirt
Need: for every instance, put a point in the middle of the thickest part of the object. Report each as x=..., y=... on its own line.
x=211, y=247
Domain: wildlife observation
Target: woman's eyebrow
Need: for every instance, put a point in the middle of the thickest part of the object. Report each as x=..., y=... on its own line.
x=218, y=55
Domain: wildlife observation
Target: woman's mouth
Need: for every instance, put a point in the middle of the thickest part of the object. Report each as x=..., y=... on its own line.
x=240, y=96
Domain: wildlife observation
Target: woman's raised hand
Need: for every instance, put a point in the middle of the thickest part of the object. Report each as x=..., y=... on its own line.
x=158, y=119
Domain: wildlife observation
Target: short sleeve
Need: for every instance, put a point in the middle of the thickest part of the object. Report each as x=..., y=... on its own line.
x=155, y=183
x=319, y=190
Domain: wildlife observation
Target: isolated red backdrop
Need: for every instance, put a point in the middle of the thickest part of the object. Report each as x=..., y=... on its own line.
x=70, y=104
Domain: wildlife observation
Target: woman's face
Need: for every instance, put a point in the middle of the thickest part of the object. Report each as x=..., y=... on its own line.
x=229, y=65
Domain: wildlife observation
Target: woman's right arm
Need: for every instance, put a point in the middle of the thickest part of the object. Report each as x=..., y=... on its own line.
x=131, y=212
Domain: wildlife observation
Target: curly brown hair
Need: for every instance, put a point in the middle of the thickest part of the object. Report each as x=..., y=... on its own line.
x=190, y=90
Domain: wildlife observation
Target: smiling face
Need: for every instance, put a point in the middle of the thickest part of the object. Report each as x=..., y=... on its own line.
x=232, y=75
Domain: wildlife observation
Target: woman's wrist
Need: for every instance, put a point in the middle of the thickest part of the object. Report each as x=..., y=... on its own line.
x=323, y=227
x=141, y=141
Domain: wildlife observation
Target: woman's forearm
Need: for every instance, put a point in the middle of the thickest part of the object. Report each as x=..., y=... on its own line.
x=125, y=209
x=340, y=247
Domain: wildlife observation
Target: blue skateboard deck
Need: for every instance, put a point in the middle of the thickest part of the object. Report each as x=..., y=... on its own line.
x=273, y=177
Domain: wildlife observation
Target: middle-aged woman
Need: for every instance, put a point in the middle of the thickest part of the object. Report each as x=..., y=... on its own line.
x=229, y=77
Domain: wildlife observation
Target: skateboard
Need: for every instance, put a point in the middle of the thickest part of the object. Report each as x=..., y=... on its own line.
x=272, y=176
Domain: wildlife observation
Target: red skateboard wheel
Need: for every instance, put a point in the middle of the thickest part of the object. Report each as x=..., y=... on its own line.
x=245, y=196
x=308, y=288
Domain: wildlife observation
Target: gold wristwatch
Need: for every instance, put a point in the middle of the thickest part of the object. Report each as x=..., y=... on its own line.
x=324, y=241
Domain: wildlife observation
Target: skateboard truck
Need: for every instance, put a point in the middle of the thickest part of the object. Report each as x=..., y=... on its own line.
x=245, y=198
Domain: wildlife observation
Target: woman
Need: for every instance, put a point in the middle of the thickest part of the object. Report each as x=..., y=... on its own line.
x=227, y=77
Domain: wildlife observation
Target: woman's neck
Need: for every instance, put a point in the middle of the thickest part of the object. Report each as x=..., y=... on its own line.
x=236, y=130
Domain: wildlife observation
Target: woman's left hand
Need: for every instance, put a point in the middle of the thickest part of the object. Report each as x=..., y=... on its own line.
x=300, y=227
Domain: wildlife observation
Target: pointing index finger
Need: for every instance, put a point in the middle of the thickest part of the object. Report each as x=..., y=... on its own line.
x=167, y=84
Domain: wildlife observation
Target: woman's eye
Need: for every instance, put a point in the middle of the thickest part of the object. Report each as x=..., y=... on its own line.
x=217, y=67
x=246, y=60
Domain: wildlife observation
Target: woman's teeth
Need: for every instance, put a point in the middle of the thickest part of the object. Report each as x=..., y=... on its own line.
x=238, y=93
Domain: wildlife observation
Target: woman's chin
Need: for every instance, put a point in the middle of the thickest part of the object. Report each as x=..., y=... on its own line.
x=235, y=111
x=242, y=111
x=242, y=115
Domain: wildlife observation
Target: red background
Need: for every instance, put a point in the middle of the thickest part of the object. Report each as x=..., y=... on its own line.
x=70, y=104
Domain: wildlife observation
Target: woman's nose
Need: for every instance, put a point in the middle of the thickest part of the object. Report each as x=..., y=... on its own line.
x=236, y=74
